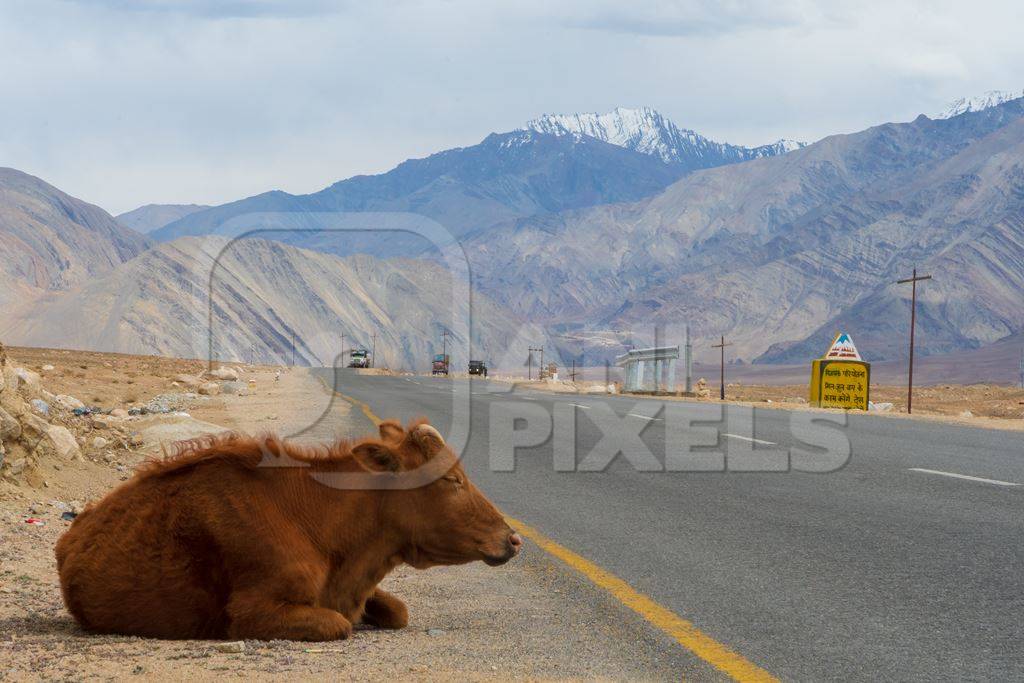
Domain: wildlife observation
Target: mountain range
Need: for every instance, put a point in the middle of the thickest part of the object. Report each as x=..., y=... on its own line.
x=596, y=229
x=150, y=217
x=52, y=241
x=507, y=176
x=778, y=253
x=203, y=297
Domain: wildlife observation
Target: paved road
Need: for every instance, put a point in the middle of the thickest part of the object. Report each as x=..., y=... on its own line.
x=889, y=568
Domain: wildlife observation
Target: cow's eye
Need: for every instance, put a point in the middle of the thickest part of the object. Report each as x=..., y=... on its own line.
x=454, y=479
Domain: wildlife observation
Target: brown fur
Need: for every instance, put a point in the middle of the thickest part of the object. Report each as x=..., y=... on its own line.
x=232, y=537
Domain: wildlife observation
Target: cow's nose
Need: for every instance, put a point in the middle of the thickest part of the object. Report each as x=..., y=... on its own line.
x=516, y=541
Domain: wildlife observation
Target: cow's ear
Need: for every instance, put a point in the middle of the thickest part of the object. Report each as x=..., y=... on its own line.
x=391, y=430
x=377, y=457
x=427, y=439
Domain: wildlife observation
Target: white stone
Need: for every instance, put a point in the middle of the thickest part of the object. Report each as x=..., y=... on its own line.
x=69, y=402
x=223, y=373
x=27, y=377
x=230, y=648
x=63, y=442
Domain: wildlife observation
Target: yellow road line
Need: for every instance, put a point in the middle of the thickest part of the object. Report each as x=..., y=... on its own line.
x=367, y=411
x=662, y=618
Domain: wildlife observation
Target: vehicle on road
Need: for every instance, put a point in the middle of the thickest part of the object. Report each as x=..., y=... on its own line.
x=359, y=358
x=477, y=367
x=440, y=364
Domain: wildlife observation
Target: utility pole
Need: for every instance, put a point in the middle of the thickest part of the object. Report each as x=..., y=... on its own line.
x=529, y=361
x=913, y=280
x=343, y=350
x=572, y=375
x=722, y=345
x=373, y=349
x=444, y=343
x=689, y=362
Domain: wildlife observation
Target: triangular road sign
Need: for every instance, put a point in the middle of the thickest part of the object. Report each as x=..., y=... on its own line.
x=843, y=348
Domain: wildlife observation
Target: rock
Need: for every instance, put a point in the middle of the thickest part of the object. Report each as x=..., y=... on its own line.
x=230, y=648
x=27, y=377
x=135, y=440
x=18, y=466
x=188, y=380
x=223, y=373
x=69, y=402
x=435, y=631
x=105, y=421
x=40, y=406
x=63, y=443
x=33, y=425
x=967, y=413
x=234, y=388
x=99, y=442
x=47, y=368
x=10, y=429
x=118, y=412
x=209, y=389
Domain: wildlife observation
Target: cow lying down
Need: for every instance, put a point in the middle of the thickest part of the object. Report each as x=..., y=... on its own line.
x=236, y=537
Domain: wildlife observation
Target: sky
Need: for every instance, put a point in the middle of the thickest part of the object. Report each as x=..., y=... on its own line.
x=129, y=102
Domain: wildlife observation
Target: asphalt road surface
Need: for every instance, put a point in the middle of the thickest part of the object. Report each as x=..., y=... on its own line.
x=904, y=562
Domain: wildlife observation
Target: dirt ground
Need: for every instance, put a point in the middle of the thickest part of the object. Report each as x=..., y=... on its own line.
x=532, y=619
x=992, y=406
x=981, y=400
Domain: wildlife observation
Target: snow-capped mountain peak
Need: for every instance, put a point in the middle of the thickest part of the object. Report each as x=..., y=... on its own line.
x=992, y=98
x=642, y=130
x=646, y=131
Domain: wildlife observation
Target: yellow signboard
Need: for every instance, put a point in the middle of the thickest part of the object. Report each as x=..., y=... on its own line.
x=840, y=382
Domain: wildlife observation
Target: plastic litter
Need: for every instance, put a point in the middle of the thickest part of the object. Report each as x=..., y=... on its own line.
x=68, y=515
x=35, y=521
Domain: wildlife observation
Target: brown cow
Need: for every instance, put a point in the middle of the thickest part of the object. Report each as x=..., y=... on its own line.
x=213, y=543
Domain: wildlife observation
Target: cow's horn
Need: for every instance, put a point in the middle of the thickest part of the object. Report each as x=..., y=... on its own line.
x=425, y=429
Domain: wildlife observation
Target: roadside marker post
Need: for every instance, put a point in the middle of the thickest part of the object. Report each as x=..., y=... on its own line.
x=840, y=378
x=913, y=280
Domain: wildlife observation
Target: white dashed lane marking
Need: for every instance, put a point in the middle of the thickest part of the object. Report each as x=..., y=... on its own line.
x=964, y=476
x=750, y=439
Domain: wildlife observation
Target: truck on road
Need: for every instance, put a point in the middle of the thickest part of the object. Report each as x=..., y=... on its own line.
x=359, y=358
x=477, y=367
x=440, y=364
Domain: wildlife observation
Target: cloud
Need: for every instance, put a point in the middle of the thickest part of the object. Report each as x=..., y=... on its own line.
x=125, y=103
x=221, y=9
x=684, y=17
